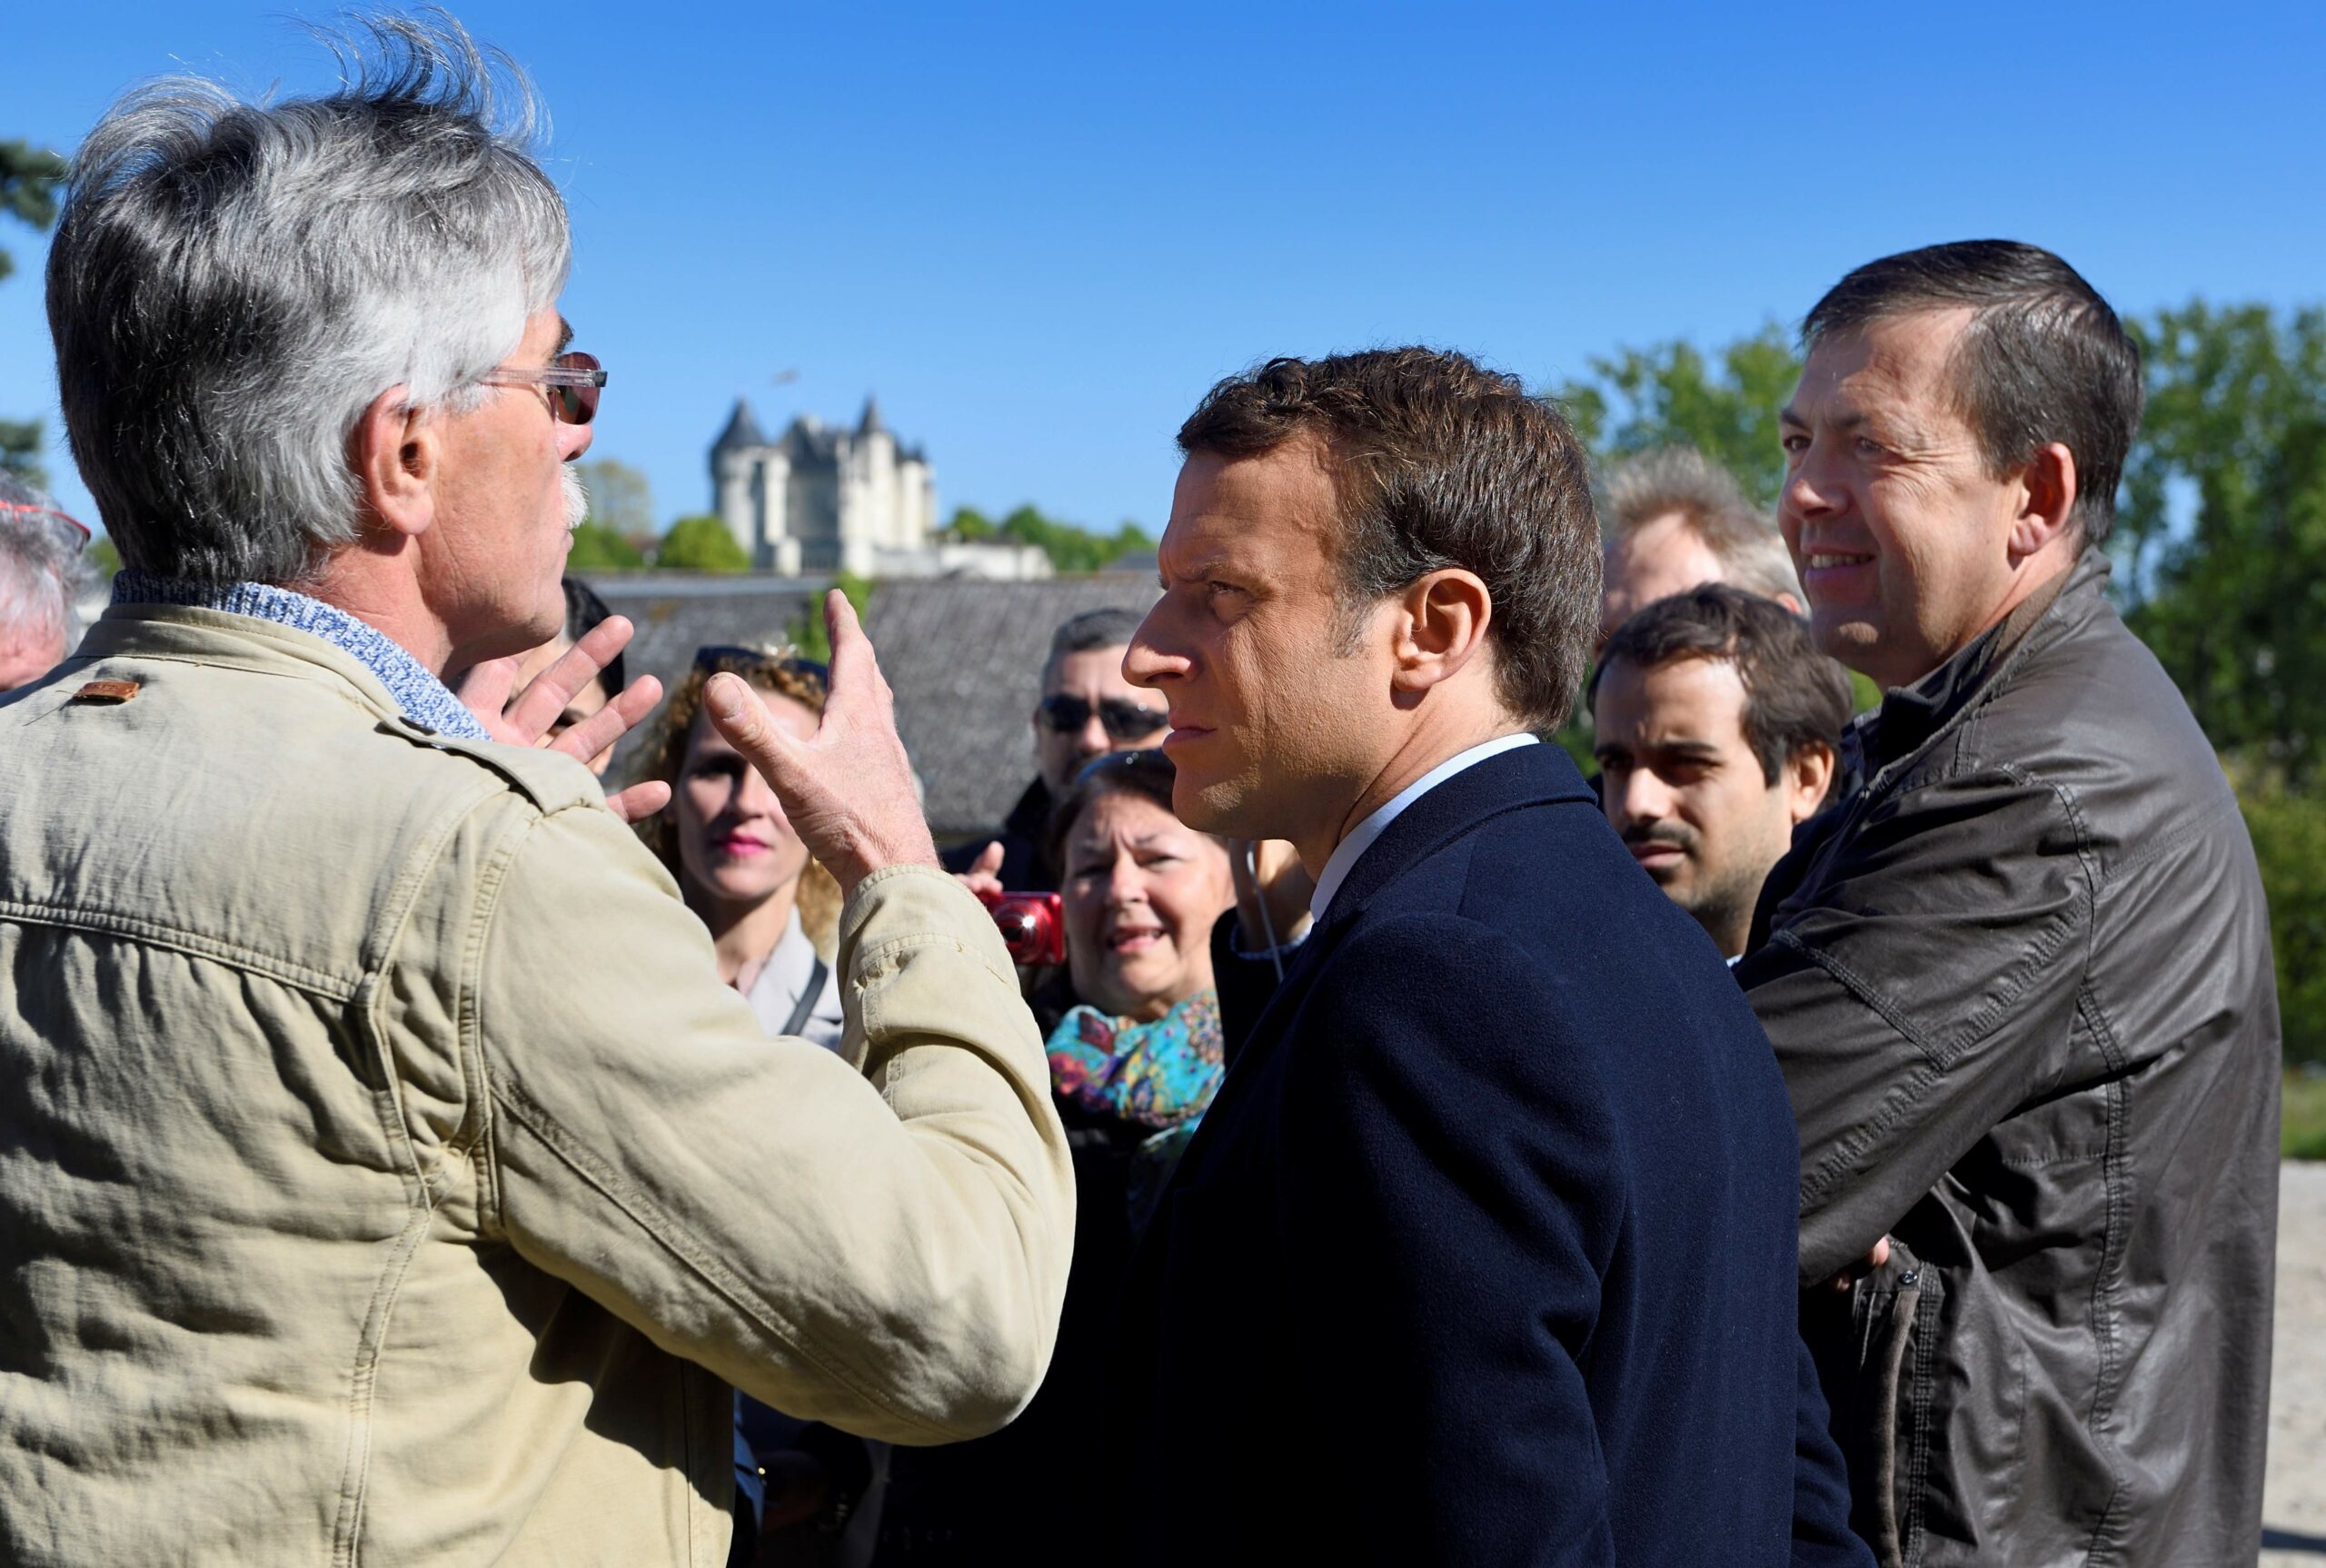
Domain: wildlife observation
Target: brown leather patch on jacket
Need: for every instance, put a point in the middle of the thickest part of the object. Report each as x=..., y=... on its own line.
x=106, y=691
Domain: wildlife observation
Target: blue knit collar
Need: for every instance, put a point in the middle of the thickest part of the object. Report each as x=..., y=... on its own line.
x=424, y=700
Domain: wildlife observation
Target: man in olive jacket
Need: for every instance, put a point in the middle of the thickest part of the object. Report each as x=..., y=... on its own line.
x=385, y=1174
x=2019, y=981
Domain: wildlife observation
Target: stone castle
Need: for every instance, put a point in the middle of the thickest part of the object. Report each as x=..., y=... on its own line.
x=819, y=500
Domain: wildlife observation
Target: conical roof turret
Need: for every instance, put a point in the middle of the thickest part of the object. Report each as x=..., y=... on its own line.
x=871, y=422
x=743, y=429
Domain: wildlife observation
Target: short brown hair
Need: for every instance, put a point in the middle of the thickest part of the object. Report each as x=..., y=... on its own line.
x=1439, y=462
x=2044, y=359
x=1794, y=697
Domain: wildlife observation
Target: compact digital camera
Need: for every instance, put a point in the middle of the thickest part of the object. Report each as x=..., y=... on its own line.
x=1033, y=927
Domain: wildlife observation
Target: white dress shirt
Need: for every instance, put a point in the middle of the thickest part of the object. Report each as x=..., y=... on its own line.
x=1350, y=849
x=775, y=989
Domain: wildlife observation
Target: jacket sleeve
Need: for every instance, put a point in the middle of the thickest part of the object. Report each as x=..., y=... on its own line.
x=1447, y=1192
x=1822, y=1537
x=1919, y=987
x=883, y=1249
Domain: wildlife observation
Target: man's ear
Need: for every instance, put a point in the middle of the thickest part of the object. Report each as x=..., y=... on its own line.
x=2047, y=493
x=1806, y=776
x=395, y=452
x=1441, y=621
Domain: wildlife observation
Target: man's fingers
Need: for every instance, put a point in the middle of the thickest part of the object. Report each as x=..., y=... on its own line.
x=612, y=722
x=542, y=702
x=1878, y=1254
x=485, y=690
x=639, y=801
x=988, y=860
x=856, y=672
x=737, y=714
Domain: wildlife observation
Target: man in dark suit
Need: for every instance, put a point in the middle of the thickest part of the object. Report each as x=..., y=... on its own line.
x=1485, y=1252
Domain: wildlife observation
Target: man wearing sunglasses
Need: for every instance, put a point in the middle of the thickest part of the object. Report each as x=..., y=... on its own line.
x=385, y=1174
x=1087, y=710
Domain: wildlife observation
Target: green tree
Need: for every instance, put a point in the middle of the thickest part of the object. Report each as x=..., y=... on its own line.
x=2289, y=829
x=2222, y=531
x=701, y=543
x=597, y=547
x=1070, y=548
x=20, y=451
x=28, y=179
x=807, y=632
x=970, y=526
x=621, y=500
x=1724, y=405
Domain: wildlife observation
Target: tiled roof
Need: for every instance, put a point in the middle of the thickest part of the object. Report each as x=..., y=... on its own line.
x=965, y=660
x=963, y=657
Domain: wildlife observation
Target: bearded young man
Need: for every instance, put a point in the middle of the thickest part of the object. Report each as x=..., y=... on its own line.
x=386, y=1174
x=1484, y=1253
x=1715, y=724
x=2020, y=981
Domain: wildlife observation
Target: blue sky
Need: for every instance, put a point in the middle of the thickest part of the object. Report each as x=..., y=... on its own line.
x=1039, y=233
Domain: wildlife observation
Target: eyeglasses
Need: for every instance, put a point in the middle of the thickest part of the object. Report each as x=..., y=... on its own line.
x=734, y=659
x=572, y=382
x=1064, y=713
x=70, y=532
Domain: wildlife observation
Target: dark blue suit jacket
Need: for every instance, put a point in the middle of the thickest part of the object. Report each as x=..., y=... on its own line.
x=1484, y=1254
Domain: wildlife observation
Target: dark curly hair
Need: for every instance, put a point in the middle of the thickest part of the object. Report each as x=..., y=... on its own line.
x=665, y=755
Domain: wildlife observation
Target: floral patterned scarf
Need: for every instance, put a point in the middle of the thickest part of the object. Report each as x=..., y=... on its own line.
x=1158, y=1074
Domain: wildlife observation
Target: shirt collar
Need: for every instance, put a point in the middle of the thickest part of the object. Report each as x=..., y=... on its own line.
x=424, y=699
x=1911, y=714
x=1360, y=839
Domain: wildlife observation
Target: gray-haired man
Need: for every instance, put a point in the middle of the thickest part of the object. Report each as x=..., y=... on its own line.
x=1676, y=520
x=42, y=572
x=387, y=1176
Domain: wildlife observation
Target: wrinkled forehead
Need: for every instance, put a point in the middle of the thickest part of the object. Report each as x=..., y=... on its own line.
x=1130, y=818
x=1270, y=508
x=1902, y=363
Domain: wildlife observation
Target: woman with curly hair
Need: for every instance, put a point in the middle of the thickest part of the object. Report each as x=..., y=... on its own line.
x=773, y=912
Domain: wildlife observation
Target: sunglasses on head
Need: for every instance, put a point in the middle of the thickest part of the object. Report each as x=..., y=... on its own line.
x=572, y=382
x=1122, y=720
x=734, y=659
x=1146, y=759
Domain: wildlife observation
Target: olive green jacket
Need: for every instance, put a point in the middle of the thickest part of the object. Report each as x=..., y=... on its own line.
x=385, y=1176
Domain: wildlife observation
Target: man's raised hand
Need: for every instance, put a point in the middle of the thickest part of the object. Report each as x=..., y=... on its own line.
x=525, y=717
x=847, y=789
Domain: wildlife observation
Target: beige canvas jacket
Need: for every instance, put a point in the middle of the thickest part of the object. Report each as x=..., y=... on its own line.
x=386, y=1177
